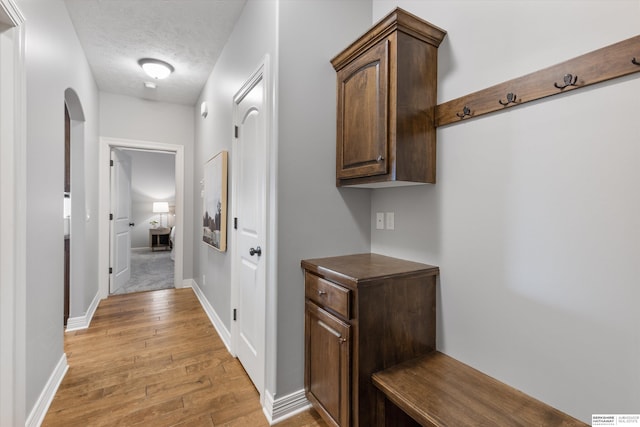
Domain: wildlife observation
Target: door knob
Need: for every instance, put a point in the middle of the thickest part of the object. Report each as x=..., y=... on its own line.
x=255, y=251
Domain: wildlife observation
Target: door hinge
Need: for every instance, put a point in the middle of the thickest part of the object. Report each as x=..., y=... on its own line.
x=110, y=217
x=235, y=223
x=110, y=162
x=235, y=131
x=110, y=270
x=235, y=314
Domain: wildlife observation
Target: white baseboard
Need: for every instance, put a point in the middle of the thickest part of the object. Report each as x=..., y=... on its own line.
x=46, y=397
x=83, y=322
x=284, y=407
x=224, y=333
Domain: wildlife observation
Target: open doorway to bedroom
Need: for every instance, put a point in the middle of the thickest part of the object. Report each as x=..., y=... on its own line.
x=148, y=214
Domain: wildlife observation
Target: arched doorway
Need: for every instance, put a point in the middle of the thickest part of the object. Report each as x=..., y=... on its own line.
x=74, y=202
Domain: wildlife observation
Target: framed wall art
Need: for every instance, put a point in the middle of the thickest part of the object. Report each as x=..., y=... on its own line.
x=214, y=205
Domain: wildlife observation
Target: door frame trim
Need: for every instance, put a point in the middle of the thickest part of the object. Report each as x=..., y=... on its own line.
x=261, y=72
x=104, y=203
x=13, y=214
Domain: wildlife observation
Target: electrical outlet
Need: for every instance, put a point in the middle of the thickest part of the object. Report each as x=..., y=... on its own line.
x=380, y=221
x=391, y=221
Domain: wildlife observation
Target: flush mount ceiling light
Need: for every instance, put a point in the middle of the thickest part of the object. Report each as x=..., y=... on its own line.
x=156, y=68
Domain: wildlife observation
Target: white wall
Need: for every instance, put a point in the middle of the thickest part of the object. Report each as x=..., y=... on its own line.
x=138, y=119
x=54, y=62
x=534, y=220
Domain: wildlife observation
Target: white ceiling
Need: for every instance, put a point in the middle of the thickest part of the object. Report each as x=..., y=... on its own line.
x=188, y=34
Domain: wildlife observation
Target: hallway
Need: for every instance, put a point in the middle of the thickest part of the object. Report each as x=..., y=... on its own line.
x=153, y=358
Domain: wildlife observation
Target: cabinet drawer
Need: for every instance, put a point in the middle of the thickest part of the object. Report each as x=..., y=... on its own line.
x=327, y=294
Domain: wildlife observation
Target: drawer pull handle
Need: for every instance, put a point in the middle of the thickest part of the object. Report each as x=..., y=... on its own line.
x=320, y=293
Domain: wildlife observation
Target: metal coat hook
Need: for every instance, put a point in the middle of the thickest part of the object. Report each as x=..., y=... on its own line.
x=465, y=112
x=511, y=98
x=569, y=80
x=635, y=61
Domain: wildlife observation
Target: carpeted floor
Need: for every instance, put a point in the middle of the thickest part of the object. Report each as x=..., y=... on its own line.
x=150, y=271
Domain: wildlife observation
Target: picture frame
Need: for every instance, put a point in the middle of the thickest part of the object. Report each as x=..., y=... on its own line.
x=214, y=204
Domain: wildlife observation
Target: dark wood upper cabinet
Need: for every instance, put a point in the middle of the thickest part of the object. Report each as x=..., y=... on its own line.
x=386, y=98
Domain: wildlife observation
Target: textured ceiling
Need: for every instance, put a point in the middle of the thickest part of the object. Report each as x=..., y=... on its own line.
x=188, y=34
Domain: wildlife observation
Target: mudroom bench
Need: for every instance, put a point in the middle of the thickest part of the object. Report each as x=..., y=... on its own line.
x=437, y=390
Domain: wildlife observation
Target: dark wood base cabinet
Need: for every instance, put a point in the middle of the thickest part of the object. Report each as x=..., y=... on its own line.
x=364, y=313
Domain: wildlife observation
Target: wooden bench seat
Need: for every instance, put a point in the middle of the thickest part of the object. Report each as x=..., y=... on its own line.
x=437, y=390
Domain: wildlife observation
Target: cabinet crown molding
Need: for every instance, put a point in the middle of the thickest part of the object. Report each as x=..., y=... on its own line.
x=397, y=20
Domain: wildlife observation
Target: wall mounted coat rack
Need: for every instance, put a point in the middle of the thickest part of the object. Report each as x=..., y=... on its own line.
x=616, y=60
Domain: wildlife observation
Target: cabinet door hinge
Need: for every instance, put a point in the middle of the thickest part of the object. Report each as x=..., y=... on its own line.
x=110, y=162
x=235, y=223
x=235, y=314
x=110, y=217
x=235, y=131
x=110, y=270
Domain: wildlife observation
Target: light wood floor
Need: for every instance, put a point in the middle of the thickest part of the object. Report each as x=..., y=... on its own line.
x=154, y=359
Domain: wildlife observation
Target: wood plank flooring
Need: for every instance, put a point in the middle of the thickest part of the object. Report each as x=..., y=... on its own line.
x=154, y=359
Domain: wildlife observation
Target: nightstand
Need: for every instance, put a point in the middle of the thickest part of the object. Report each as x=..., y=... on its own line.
x=159, y=238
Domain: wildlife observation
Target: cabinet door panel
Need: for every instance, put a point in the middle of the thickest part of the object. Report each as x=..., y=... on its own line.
x=362, y=114
x=327, y=364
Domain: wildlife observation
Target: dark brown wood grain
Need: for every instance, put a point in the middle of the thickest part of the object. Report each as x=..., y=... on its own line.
x=437, y=390
x=386, y=98
x=393, y=319
x=358, y=270
x=328, y=295
x=67, y=150
x=327, y=367
x=598, y=66
x=361, y=140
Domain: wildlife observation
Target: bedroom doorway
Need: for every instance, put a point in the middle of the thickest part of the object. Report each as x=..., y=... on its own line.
x=143, y=204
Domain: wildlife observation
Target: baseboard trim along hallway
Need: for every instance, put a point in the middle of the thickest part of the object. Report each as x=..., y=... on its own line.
x=225, y=334
x=83, y=322
x=46, y=397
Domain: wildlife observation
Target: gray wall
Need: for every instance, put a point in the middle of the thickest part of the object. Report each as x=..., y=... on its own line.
x=314, y=217
x=253, y=37
x=152, y=180
x=54, y=62
x=534, y=218
x=138, y=119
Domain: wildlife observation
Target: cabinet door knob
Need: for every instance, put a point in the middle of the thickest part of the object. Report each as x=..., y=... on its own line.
x=342, y=340
x=320, y=293
x=255, y=251
x=379, y=159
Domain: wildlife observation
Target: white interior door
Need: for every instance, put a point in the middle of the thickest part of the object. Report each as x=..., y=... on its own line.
x=121, y=210
x=250, y=253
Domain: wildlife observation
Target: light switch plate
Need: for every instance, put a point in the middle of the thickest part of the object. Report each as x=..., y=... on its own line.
x=391, y=221
x=380, y=221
